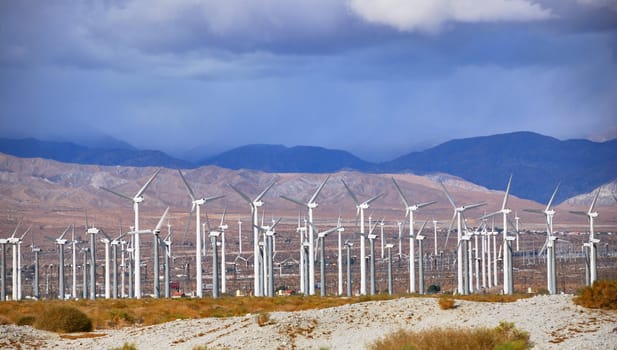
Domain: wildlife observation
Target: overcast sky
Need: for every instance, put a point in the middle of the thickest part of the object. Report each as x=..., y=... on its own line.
x=378, y=78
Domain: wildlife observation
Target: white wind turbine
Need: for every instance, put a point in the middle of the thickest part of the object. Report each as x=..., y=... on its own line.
x=409, y=211
x=321, y=236
x=268, y=254
x=303, y=253
x=35, y=287
x=167, y=258
x=461, y=247
x=196, y=205
x=60, y=242
x=590, y=245
x=19, y=242
x=3, y=242
x=106, y=240
x=508, y=282
x=138, y=198
x=420, y=238
x=310, y=205
x=549, y=244
x=255, y=204
x=340, y=257
x=222, y=227
x=360, y=207
x=13, y=242
x=114, y=245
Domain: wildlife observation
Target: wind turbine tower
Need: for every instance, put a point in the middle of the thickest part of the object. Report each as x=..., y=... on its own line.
x=310, y=205
x=360, y=207
x=591, y=245
x=138, y=198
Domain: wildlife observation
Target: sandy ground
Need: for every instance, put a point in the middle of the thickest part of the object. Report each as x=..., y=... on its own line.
x=553, y=322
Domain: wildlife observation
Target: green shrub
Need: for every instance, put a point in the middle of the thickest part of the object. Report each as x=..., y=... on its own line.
x=433, y=288
x=601, y=295
x=27, y=320
x=63, y=319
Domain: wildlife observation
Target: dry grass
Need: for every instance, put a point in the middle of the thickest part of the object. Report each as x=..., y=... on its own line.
x=601, y=295
x=446, y=303
x=503, y=337
x=106, y=314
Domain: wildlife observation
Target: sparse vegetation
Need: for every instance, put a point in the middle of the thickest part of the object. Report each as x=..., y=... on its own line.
x=503, y=337
x=126, y=346
x=27, y=320
x=263, y=319
x=446, y=303
x=601, y=295
x=63, y=319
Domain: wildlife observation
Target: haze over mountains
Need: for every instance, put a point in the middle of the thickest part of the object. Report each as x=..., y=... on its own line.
x=537, y=162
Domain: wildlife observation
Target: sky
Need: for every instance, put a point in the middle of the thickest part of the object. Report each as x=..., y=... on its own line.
x=378, y=78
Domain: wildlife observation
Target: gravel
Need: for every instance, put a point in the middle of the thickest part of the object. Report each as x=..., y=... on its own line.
x=553, y=322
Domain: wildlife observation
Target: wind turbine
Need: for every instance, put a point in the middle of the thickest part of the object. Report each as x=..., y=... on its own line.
x=508, y=282
x=409, y=210
x=549, y=244
x=371, y=239
x=60, y=242
x=269, y=233
x=106, y=240
x=322, y=255
x=310, y=205
x=360, y=207
x=92, y=231
x=222, y=227
x=114, y=252
x=138, y=198
x=591, y=244
x=389, y=248
x=255, y=204
x=167, y=255
x=340, y=257
x=35, y=288
x=196, y=205
x=461, y=247
x=303, y=254
x=348, y=246
x=3, y=242
x=19, y=241
x=156, y=288
x=420, y=238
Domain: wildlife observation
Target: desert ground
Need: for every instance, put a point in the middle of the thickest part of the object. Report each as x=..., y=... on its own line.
x=553, y=322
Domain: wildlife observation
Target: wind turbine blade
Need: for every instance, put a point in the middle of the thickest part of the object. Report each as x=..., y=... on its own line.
x=353, y=196
x=213, y=198
x=543, y=247
x=116, y=193
x=325, y=233
x=294, y=201
x=512, y=225
x=187, y=186
x=449, y=230
x=447, y=194
x=486, y=216
x=16, y=228
x=374, y=227
x=65, y=231
x=577, y=212
x=475, y=205
x=314, y=197
x=223, y=216
x=25, y=233
x=400, y=192
x=425, y=204
x=535, y=211
x=422, y=228
x=105, y=234
x=593, y=203
x=187, y=226
x=263, y=193
x=259, y=228
x=160, y=224
x=275, y=223
x=372, y=199
x=505, y=197
x=143, y=189
x=245, y=197
x=550, y=202
x=207, y=221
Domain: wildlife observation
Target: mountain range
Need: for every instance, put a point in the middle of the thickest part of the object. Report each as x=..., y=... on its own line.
x=537, y=162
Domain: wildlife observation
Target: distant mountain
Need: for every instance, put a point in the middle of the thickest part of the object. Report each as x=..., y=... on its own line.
x=537, y=163
x=72, y=153
x=278, y=158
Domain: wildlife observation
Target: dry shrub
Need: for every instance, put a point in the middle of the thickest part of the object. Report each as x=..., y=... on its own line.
x=27, y=320
x=503, y=337
x=63, y=319
x=446, y=303
x=263, y=319
x=126, y=346
x=601, y=295
x=4, y=320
